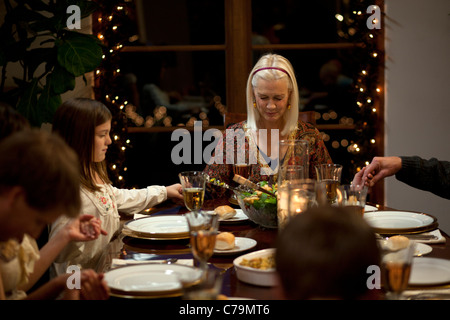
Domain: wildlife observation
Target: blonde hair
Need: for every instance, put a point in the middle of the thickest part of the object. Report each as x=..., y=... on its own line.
x=273, y=67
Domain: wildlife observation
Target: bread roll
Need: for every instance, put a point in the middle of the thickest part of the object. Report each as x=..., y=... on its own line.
x=225, y=212
x=225, y=241
x=397, y=243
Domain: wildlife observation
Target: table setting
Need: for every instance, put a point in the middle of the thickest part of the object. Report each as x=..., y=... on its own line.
x=424, y=277
x=172, y=251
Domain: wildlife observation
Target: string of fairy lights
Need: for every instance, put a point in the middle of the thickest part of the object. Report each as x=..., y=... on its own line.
x=369, y=86
x=115, y=25
x=364, y=142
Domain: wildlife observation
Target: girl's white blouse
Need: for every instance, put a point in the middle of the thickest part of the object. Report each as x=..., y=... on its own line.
x=104, y=204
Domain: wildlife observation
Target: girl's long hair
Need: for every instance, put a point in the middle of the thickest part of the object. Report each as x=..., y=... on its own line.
x=75, y=121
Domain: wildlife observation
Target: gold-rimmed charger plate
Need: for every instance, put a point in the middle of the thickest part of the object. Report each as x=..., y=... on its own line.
x=400, y=222
x=170, y=227
x=150, y=281
x=157, y=247
x=429, y=272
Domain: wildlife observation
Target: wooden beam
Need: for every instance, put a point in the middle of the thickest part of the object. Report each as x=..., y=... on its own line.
x=238, y=52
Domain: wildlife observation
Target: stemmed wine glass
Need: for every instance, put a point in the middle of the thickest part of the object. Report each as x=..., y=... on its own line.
x=193, y=184
x=203, y=226
x=203, y=229
x=396, y=269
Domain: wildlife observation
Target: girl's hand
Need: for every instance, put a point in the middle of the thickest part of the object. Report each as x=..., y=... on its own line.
x=85, y=228
x=175, y=191
x=93, y=286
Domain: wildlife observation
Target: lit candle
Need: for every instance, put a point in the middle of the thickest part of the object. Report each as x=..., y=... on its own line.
x=297, y=202
x=282, y=205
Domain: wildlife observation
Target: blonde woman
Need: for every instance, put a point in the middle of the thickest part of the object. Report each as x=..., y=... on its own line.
x=272, y=105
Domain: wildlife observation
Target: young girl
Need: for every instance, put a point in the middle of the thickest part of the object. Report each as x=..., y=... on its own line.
x=85, y=125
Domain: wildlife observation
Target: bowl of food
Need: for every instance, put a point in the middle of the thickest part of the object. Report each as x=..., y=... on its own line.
x=257, y=268
x=258, y=206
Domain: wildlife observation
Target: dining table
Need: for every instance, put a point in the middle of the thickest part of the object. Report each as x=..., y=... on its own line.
x=137, y=250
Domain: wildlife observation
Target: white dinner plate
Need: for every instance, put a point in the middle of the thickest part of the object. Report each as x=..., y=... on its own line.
x=240, y=244
x=238, y=217
x=369, y=208
x=400, y=222
x=150, y=280
x=422, y=249
x=429, y=271
x=158, y=227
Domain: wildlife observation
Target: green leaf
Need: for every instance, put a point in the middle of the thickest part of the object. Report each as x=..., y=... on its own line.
x=87, y=8
x=45, y=24
x=35, y=57
x=62, y=80
x=79, y=53
x=16, y=50
x=37, y=5
x=258, y=204
x=2, y=58
x=22, y=13
x=27, y=103
x=48, y=102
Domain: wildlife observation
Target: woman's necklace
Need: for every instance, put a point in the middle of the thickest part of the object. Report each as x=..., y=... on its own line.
x=268, y=164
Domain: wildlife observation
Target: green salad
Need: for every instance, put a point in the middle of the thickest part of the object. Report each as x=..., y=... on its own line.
x=260, y=200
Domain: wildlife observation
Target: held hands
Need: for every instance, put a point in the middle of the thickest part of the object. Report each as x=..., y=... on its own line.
x=358, y=179
x=175, y=191
x=378, y=169
x=85, y=228
x=92, y=287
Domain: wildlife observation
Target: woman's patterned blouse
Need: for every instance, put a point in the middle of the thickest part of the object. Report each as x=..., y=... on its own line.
x=318, y=154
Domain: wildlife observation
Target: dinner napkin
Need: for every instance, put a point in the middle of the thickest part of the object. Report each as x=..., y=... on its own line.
x=125, y=262
x=439, y=237
x=428, y=294
x=140, y=215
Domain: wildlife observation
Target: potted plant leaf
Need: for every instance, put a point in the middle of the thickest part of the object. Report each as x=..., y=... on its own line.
x=35, y=35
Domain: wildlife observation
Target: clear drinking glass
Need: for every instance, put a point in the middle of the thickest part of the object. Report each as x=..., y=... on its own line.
x=353, y=197
x=208, y=288
x=300, y=195
x=193, y=184
x=295, y=152
x=396, y=270
x=290, y=172
x=330, y=174
x=286, y=174
x=203, y=229
x=244, y=171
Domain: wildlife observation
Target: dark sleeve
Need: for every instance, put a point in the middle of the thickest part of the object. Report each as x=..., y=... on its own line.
x=429, y=175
